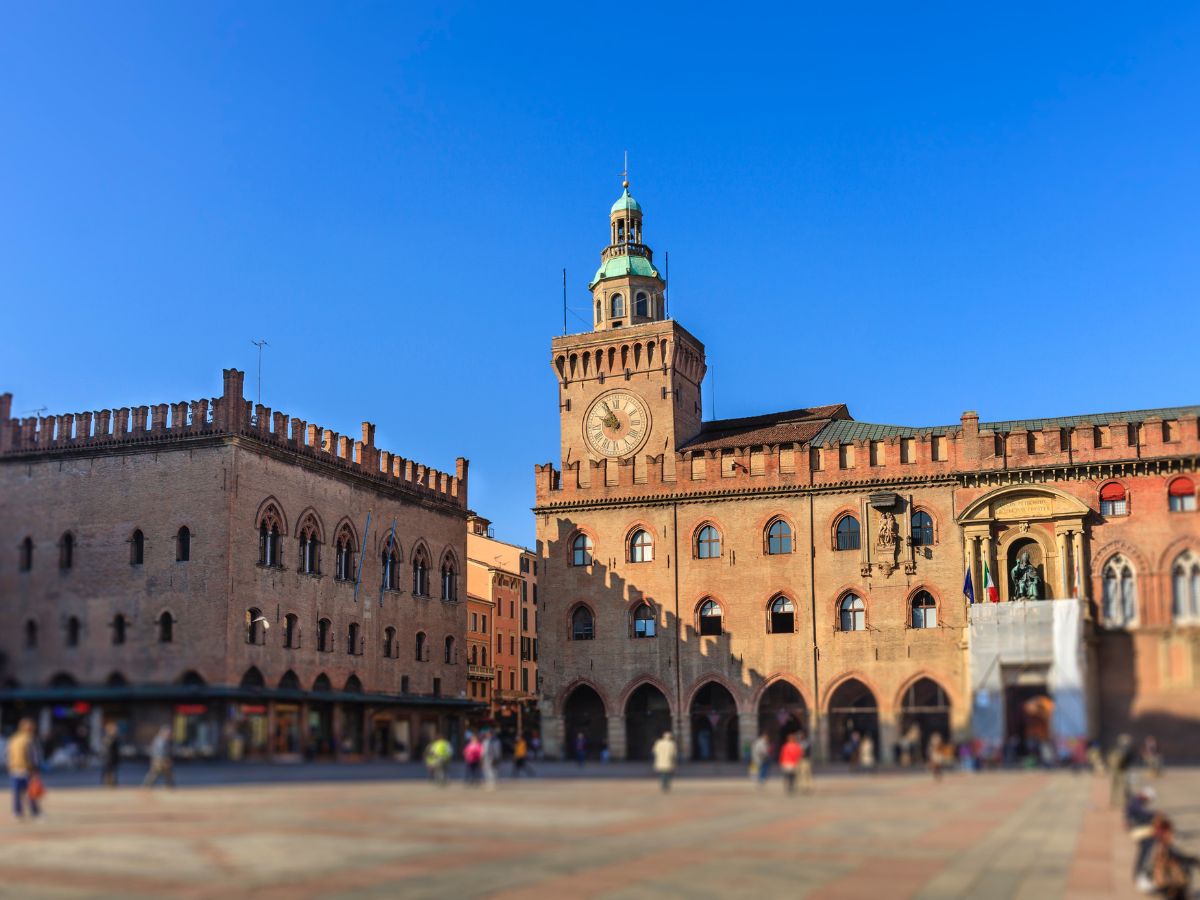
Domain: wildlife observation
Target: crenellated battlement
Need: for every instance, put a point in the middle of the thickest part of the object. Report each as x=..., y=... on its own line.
x=848, y=454
x=229, y=414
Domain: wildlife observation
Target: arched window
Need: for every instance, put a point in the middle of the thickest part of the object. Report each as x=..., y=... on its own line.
x=25, y=558
x=1113, y=501
x=616, y=306
x=645, y=624
x=641, y=306
x=31, y=634
x=710, y=617
x=183, y=544
x=708, y=542
x=449, y=580
x=1120, y=593
x=256, y=626
x=353, y=646
x=166, y=628
x=137, y=548
x=924, y=610
x=1185, y=587
x=852, y=613
x=847, y=533
x=391, y=569
x=450, y=656
x=324, y=636
x=419, y=647
x=783, y=616
x=291, y=631
x=389, y=642
x=72, y=632
x=922, y=529
x=581, y=550
x=598, y=312
x=310, y=557
x=641, y=546
x=268, y=544
x=483, y=654
x=420, y=573
x=119, y=626
x=582, y=624
x=779, y=538
x=66, y=551
x=343, y=564
x=1181, y=495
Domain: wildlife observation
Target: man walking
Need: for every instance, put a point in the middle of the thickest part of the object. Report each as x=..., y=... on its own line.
x=789, y=762
x=521, y=758
x=22, y=767
x=492, y=751
x=110, y=750
x=437, y=759
x=760, y=758
x=664, y=751
x=162, y=764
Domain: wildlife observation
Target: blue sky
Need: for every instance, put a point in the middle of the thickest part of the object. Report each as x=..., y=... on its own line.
x=913, y=211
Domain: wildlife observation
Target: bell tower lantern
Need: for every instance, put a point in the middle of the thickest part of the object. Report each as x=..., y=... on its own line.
x=627, y=289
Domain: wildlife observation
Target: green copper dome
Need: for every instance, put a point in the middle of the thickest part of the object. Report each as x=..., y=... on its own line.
x=625, y=202
x=625, y=265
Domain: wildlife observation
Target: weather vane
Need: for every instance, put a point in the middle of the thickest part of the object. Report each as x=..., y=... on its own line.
x=625, y=173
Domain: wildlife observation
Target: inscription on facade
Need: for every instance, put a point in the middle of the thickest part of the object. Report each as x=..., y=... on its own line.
x=1026, y=508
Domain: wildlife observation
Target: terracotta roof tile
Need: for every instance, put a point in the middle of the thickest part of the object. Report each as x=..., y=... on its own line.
x=791, y=427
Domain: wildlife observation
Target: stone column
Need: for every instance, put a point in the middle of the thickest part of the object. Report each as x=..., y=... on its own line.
x=552, y=737
x=1063, y=568
x=616, y=737
x=747, y=730
x=889, y=733
x=1077, y=550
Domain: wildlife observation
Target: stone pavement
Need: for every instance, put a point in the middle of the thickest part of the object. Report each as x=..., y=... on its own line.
x=1006, y=834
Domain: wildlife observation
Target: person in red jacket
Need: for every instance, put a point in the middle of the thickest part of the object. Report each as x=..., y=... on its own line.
x=789, y=762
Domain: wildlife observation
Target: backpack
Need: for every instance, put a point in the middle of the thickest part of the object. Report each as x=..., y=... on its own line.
x=473, y=753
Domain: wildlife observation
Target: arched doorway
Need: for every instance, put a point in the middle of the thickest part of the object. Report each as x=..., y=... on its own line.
x=647, y=716
x=924, y=712
x=1037, y=559
x=584, y=714
x=853, y=715
x=781, y=712
x=714, y=724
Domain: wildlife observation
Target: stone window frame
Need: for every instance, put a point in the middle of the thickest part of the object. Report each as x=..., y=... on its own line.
x=449, y=587
x=778, y=519
x=636, y=607
x=912, y=598
x=345, y=538
x=589, y=549
x=720, y=541
x=421, y=563
x=1125, y=498
x=571, y=613
x=835, y=526
x=270, y=524
x=633, y=531
x=771, y=602
x=1186, y=564
x=934, y=527
x=839, y=599
x=1120, y=564
x=310, y=528
x=698, y=615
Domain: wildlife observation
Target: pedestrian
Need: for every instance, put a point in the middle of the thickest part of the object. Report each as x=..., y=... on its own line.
x=789, y=762
x=935, y=755
x=535, y=745
x=437, y=759
x=1120, y=759
x=1171, y=868
x=23, y=762
x=521, y=758
x=665, y=752
x=110, y=751
x=804, y=770
x=1151, y=758
x=473, y=757
x=760, y=759
x=162, y=764
x=866, y=753
x=490, y=759
x=580, y=748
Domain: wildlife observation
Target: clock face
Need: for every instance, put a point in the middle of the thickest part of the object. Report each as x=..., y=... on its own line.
x=616, y=424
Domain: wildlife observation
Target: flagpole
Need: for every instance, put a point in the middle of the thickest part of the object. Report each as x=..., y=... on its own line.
x=358, y=577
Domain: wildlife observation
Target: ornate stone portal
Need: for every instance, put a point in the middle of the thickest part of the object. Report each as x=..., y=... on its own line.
x=1026, y=585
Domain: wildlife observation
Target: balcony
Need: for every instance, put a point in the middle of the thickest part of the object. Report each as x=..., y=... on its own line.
x=626, y=249
x=474, y=671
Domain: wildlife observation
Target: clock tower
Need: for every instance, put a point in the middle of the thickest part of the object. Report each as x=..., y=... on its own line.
x=629, y=390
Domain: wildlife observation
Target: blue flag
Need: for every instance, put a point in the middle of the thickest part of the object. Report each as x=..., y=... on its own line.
x=968, y=588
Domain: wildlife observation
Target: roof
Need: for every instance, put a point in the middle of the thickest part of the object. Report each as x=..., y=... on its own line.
x=1135, y=415
x=791, y=427
x=624, y=202
x=847, y=431
x=626, y=264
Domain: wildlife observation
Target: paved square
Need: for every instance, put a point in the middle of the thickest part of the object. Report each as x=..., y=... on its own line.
x=1021, y=835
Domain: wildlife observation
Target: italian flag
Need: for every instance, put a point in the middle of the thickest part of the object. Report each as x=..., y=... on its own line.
x=989, y=586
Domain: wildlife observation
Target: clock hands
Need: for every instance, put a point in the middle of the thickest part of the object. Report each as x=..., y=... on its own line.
x=610, y=419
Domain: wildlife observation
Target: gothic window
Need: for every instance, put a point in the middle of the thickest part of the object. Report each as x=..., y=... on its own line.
x=119, y=626
x=66, y=551
x=183, y=544
x=582, y=624
x=1181, y=495
x=449, y=579
x=291, y=631
x=483, y=654
x=1120, y=593
x=641, y=306
x=268, y=538
x=420, y=573
x=450, y=656
x=708, y=542
x=645, y=624
x=310, y=548
x=73, y=632
x=847, y=533
x=166, y=628
x=617, y=306
x=599, y=309
x=581, y=550
x=352, y=639
x=343, y=564
x=324, y=636
x=710, y=616
x=924, y=610
x=779, y=538
x=1185, y=587
x=1113, y=501
x=25, y=558
x=31, y=634
x=783, y=616
x=641, y=546
x=852, y=613
x=419, y=647
x=256, y=626
x=922, y=529
x=389, y=642
x=137, y=548
x=391, y=569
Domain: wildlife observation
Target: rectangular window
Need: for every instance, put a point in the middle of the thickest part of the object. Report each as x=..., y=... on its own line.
x=1101, y=436
x=697, y=467
x=727, y=463
x=1064, y=439
x=512, y=680
x=474, y=622
x=938, y=448
x=908, y=450
x=437, y=687
x=524, y=619
x=1114, y=507
x=524, y=564
x=525, y=680
x=877, y=453
x=1033, y=442
x=1135, y=434
x=846, y=456
x=483, y=624
x=998, y=449
x=758, y=461
x=787, y=458
x=524, y=591
x=404, y=684
x=512, y=645
x=1170, y=431
x=817, y=459
x=535, y=595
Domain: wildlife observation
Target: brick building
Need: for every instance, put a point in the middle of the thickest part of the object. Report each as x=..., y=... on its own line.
x=806, y=570
x=196, y=563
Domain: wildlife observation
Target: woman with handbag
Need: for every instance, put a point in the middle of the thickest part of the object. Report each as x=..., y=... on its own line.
x=23, y=770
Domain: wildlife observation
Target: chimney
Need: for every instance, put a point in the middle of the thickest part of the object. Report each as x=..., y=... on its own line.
x=970, y=435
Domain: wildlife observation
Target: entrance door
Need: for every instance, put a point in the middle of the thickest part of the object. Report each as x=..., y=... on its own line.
x=585, y=720
x=925, y=711
x=714, y=724
x=781, y=712
x=286, y=740
x=647, y=716
x=1028, y=710
x=853, y=717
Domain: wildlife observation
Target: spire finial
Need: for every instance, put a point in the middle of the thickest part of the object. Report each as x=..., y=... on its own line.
x=625, y=172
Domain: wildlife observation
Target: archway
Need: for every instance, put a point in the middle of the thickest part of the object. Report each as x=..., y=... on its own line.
x=647, y=716
x=584, y=714
x=1037, y=559
x=714, y=724
x=924, y=712
x=853, y=715
x=781, y=712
